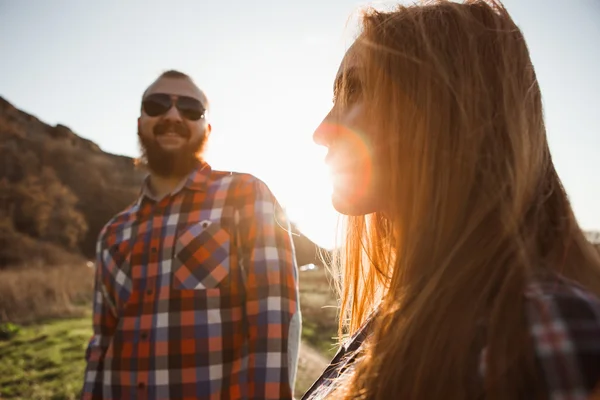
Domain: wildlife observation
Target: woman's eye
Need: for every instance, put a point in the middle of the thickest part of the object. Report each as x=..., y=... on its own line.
x=353, y=91
x=350, y=93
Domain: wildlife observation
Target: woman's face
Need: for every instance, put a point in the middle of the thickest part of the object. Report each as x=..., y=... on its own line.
x=347, y=133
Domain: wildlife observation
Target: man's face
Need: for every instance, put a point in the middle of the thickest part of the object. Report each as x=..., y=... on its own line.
x=172, y=128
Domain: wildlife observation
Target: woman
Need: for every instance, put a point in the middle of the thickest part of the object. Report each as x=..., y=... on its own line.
x=465, y=274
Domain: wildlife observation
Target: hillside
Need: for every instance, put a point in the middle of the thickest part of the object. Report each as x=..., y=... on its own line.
x=58, y=189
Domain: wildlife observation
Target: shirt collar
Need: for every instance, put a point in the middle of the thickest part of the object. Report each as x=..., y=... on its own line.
x=196, y=180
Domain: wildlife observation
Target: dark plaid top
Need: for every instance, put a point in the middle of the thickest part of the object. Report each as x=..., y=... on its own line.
x=564, y=322
x=196, y=296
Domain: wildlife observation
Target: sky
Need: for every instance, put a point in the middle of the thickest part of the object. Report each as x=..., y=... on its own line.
x=268, y=69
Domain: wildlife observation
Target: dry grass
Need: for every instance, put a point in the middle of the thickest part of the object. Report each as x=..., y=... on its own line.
x=311, y=364
x=33, y=293
x=319, y=311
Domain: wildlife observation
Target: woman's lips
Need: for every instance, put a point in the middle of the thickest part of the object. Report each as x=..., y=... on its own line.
x=337, y=164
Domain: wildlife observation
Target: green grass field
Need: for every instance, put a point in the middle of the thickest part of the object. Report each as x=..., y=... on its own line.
x=44, y=360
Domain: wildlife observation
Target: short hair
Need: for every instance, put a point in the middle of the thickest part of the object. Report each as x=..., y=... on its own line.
x=171, y=73
x=175, y=74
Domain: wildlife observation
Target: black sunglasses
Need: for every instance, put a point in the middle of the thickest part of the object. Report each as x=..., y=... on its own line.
x=159, y=103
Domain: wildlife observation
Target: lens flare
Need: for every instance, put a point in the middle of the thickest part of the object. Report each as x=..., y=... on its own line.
x=350, y=160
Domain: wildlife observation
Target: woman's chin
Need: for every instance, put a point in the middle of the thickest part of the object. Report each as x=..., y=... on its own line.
x=348, y=204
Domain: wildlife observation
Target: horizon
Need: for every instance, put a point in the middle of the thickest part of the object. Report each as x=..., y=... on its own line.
x=86, y=66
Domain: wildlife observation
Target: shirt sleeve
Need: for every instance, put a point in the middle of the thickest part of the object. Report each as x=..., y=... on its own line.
x=565, y=328
x=272, y=305
x=104, y=321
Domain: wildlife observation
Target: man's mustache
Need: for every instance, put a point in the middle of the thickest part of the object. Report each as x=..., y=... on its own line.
x=163, y=128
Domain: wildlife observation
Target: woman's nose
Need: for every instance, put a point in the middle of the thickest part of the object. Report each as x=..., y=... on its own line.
x=325, y=132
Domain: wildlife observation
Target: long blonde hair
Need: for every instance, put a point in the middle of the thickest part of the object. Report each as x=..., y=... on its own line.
x=475, y=207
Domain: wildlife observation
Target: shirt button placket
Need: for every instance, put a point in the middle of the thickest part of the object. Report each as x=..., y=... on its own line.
x=147, y=298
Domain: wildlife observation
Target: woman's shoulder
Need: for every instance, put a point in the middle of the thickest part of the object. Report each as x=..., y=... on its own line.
x=564, y=323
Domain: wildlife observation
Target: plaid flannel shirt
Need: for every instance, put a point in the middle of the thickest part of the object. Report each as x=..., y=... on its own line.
x=196, y=296
x=564, y=323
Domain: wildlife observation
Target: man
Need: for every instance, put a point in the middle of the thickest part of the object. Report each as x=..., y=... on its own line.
x=196, y=284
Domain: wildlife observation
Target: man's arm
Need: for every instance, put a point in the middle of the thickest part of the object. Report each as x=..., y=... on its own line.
x=104, y=323
x=272, y=304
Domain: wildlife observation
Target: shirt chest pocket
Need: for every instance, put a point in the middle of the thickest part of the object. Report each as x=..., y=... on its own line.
x=202, y=258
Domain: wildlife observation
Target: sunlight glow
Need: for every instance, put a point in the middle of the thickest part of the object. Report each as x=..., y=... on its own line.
x=350, y=153
x=270, y=87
